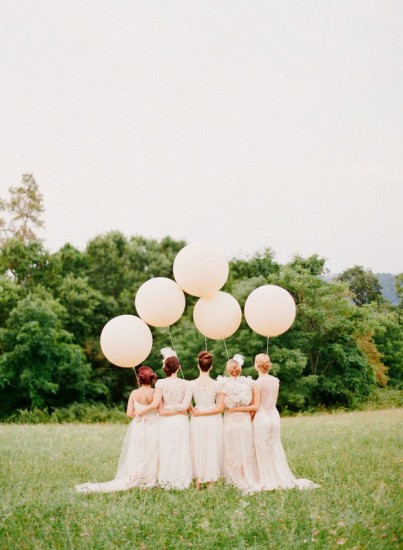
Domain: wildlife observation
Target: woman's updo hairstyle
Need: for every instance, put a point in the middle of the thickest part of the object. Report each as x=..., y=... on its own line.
x=146, y=376
x=233, y=367
x=205, y=360
x=171, y=365
x=262, y=362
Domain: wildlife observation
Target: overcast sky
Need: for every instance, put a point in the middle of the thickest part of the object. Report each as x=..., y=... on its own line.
x=244, y=123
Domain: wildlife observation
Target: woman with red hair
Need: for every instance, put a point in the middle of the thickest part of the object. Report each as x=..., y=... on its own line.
x=138, y=463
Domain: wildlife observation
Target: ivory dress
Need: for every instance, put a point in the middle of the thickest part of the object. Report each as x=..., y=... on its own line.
x=207, y=447
x=138, y=463
x=274, y=472
x=239, y=454
x=175, y=467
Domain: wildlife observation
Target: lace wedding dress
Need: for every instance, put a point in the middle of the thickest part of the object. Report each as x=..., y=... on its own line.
x=206, y=432
x=175, y=469
x=239, y=455
x=138, y=463
x=274, y=472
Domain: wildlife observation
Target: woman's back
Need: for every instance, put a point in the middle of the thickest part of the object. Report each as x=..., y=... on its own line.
x=176, y=393
x=204, y=395
x=269, y=387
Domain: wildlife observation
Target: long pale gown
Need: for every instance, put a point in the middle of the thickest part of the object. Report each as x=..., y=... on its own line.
x=175, y=466
x=239, y=454
x=274, y=472
x=138, y=463
x=206, y=434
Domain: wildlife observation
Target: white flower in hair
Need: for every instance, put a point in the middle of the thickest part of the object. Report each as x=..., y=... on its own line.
x=168, y=352
x=239, y=358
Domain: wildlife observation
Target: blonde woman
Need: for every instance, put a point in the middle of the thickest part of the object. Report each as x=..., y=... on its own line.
x=241, y=398
x=274, y=472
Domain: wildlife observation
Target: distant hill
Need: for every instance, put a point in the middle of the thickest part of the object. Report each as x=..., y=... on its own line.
x=387, y=281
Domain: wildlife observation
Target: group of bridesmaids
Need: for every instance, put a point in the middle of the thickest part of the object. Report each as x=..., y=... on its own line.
x=163, y=447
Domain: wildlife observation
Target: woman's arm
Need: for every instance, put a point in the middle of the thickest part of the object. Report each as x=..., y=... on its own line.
x=187, y=398
x=130, y=406
x=166, y=412
x=153, y=406
x=219, y=408
x=254, y=404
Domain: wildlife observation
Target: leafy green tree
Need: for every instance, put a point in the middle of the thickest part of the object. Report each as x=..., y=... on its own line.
x=399, y=288
x=326, y=331
x=23, y=211
x=107, y=261
x=29, y=264
x=40, y=366
x=364, y=285
x=10, y=294
x=388, y=339
x=82, y=308
x=71, y=261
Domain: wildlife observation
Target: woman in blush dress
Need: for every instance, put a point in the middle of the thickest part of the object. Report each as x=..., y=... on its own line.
x=175, y=468
x=206, y=426
x=138, y=463
x=274, y=472
x=241, y=398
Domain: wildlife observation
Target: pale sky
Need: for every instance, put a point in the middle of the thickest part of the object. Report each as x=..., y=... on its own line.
x=243, y=123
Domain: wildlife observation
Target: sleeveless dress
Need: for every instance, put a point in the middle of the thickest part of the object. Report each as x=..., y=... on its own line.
x=207, y=447
x=138, y=463
x=274, y=472
x=175, y=467
x=239, y=454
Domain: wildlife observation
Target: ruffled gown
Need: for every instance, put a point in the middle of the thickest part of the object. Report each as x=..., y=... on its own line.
x=175, y=467
x=239, y=454
x=138, y=463
x=274, y=472
x=206, y=435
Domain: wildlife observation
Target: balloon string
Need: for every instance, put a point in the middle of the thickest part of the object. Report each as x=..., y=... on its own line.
x=205, y=342
x=225, y=345
x=172, y=342
x=267, y=346
x=137, y=378
x=173, y=347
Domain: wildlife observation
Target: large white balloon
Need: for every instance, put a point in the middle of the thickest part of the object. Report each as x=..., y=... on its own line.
x=200, y=269
x=217, y=316
x=126, y=340
x=270, y=310
x=160, y=302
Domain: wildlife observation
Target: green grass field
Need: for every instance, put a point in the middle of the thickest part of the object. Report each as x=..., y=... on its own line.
x=356, y=457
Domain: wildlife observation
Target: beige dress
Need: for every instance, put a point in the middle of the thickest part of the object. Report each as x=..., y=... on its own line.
x=138, y=463
x=175, y=465
x=206, y=433
x=239, y=454
x=274, y=472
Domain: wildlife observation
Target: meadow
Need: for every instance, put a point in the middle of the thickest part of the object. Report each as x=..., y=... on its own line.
x=356, y=457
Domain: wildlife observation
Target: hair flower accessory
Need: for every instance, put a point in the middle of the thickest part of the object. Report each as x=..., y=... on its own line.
x=239, y=358
x=168, y=352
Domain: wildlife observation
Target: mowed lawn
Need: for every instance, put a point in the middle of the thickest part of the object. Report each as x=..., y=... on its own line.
x=356, y=457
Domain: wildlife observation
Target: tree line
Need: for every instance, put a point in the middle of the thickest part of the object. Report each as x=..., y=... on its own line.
x=346, y=339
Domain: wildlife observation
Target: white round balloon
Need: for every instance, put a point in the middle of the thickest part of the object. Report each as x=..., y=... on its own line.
x=217, y=316
x=160, y=302
x=270, y=310
x=200, y=269
x=126, y=341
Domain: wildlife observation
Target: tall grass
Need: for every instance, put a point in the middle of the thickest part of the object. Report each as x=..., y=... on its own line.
x=356, y=457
